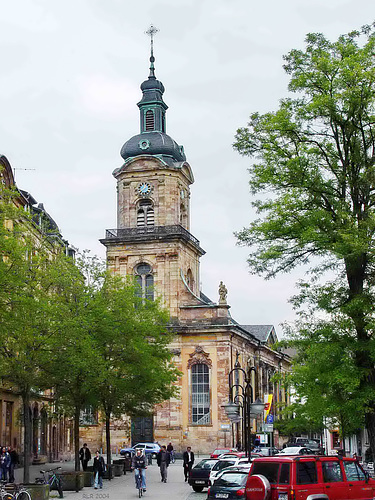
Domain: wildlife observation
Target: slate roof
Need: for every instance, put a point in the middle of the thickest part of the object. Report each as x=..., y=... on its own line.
x=261, y=332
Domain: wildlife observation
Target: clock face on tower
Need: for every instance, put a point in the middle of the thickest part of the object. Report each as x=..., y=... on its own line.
x=144, y=189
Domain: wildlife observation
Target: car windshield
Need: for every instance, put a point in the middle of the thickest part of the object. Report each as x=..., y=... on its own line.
x=205, y=464
x=231, y=479
x=221, y=464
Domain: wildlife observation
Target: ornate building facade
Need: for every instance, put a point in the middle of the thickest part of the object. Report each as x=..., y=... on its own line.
x=153, y=242
x=51, y=431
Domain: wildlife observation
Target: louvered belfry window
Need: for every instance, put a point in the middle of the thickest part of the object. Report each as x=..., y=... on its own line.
x=150, y=120
x=145, y=214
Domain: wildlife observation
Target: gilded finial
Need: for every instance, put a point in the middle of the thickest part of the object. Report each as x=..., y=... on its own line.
x=151, y=32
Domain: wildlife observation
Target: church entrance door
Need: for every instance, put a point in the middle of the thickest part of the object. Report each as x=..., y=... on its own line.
x=142, y=430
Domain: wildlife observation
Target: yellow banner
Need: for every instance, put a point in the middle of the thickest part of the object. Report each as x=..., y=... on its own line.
x=267, y=405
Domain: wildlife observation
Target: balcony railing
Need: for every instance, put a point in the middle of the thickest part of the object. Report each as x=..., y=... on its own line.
x=134, y=233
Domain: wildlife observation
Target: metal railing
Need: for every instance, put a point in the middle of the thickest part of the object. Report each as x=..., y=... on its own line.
x=157, y=231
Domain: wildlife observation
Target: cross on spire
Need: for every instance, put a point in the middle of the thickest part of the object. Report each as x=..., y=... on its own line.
x=151, y=32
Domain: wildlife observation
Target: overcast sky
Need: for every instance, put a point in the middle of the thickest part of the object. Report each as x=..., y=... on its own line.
x=70, y=76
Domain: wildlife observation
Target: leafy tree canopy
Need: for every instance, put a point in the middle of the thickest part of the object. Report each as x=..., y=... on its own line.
x=314, y=168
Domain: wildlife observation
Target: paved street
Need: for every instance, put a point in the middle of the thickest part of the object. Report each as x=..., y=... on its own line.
x=123, y=488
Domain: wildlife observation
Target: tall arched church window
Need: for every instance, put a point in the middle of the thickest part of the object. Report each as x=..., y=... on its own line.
x=189, y=279
x=200, y=392
x=145, y=281
x=150, y=120
x=145, y=214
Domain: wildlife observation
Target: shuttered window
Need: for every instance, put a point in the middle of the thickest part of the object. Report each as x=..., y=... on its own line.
x=150, y=120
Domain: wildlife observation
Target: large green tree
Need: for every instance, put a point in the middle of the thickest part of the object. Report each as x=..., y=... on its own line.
x=132, y=337
x=315, y=170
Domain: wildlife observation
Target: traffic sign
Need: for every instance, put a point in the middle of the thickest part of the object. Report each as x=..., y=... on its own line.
x=270, y=419
x=268, y=427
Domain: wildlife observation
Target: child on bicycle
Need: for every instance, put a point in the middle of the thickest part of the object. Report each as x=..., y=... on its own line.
x=139, y=467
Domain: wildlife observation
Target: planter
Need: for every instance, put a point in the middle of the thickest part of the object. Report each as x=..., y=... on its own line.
x=88, y=478
x=118, y=469
x=109, y=470
x=38, y=491
x=121, y=462
x=72, y=481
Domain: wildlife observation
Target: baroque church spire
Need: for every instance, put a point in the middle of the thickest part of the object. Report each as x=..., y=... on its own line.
x=153, y=139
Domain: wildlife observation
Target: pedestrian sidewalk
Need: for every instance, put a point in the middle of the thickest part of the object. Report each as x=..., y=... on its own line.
x=123, y=487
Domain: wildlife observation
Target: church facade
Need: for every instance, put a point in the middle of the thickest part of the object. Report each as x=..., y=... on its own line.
x=153, y=242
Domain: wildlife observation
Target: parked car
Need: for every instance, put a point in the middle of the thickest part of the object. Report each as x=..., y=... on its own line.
x=233, y=454
x=296, y=450
x=200, y=474
x=267, y=451
x=147, y=448
x=229, y=485
x=322, y=478
x=221, y=451
x=224, y=464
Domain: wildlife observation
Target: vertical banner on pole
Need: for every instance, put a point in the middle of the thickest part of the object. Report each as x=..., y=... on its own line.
x=267, y=405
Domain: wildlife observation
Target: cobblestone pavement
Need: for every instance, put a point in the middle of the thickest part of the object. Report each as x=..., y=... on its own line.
x=123, y=488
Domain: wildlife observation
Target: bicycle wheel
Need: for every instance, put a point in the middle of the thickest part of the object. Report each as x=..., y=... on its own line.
x=59, y=488
x=9, y=496
x=23, y=495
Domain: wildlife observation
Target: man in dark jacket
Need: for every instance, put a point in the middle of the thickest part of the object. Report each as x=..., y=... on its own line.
x=139, y=467
x=163, y=459
x=99, y=469
x=84, y=456
x=187, y=461
x=14, y=460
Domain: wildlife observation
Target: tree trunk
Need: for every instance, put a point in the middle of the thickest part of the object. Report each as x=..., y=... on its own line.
x=108, y=442
x=370, y=426
x=77, y=412
x=26, y=436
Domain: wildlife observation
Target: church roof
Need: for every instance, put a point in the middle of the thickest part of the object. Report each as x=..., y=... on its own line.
x=261, y=332
x=153, y=143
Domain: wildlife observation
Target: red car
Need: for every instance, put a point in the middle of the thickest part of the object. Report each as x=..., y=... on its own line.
x=306, y=477
x=220, y=451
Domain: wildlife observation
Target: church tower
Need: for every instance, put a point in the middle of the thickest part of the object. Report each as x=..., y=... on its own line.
x=152, y=239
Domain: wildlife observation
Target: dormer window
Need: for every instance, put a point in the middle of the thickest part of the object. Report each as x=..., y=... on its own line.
x=145, y=214
x=150, y=120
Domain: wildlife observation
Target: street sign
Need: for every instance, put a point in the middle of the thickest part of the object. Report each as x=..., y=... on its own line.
x=270, y=419
x=268, y=427
x=225, y=427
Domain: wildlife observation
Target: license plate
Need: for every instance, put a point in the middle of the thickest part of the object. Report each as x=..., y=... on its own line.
x=202, y=482
x=283, y=496
x=221, y=495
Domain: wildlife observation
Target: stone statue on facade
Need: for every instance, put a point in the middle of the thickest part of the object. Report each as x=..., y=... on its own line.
x=223, y=292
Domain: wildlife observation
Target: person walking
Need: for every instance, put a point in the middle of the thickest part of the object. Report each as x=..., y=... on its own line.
x=139, y=467
x=14, y=460
x=187, y=461
x=5, y=464
x=99, y=469
x=163, y=459
x=84, y=456
x=171, y=452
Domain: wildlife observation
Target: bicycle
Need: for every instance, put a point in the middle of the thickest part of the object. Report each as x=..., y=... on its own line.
x=138, y=480
x=19, y=492
x=54, y=481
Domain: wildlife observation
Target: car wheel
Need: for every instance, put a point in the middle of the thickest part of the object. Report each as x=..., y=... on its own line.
x=198, y=489
x=154, y=455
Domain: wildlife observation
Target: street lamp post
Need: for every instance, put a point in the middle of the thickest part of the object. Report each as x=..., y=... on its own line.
x=241, y=401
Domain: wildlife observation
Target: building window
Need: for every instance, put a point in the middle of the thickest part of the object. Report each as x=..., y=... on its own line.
x=200, y=394
x=150, y=120
x=145, y=214
x=145, y=281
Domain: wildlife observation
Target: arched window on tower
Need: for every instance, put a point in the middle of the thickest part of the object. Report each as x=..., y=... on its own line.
x=145, y=214
x=190, y=279
x=145, y=281
x=150, y=120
